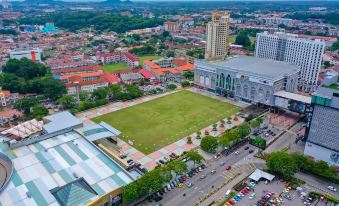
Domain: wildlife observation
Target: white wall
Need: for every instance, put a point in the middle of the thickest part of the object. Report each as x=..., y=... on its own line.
x=321, y=153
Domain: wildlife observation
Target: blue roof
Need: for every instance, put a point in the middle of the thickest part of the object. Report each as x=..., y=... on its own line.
x=60, y=121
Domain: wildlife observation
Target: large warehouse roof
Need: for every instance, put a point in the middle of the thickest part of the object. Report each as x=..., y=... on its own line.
x=258, y=66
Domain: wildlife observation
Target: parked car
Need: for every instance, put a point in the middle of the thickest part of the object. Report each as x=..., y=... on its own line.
x=332, y=188
x=236, y=152
x=246, y=148
x=228, y=167
x=222, y=163
x=202, y=176
x=250, y=151
x=213, y=172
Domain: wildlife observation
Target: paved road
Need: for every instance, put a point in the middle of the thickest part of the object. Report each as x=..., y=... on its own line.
x=317, y=184
x=204, y=186
x=287, y=140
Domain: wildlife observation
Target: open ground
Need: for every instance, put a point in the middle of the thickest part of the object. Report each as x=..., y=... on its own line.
x=157, y=123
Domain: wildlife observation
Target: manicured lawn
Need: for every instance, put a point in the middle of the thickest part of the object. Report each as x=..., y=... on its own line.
x=157, y=123
x=113, y=67
x=142, y=58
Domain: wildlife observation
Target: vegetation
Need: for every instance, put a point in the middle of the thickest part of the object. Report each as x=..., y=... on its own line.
x=282, y=164
x=172, y=86
x=188, y=75
x=73, y=21
x=330, y=17
x=149, y=57
x=153, y=181
x=25, y=76
x=234, y=135
x=113, y=67
x=244, y=40
x=258, y=142
x=185, y=84
x=162, y=121
x=287, y=164
x=209, y=144
x=194, y=156
x=335, y=46
x=197, y=53
x=145, y=50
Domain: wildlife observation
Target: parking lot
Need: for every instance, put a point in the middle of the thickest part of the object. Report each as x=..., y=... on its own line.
x=275, y=192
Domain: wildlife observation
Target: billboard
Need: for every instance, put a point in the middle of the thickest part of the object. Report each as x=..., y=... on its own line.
x=290, y=104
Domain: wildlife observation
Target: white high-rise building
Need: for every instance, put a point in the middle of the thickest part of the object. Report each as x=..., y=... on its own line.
x=217, y=34
x=306, y=53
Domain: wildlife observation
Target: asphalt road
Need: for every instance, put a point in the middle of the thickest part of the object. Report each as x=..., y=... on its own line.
x=318, y=185
x=202, y=187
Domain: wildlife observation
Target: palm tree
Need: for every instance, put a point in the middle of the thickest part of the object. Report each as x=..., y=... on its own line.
x=198, y=135
x=215, y=127
x=229, y=120
x=189, y=140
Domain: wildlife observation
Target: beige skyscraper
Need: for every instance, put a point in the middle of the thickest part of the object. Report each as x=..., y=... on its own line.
x=217, y=34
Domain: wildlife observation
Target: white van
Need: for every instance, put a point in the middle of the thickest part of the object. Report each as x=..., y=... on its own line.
x=228, y=192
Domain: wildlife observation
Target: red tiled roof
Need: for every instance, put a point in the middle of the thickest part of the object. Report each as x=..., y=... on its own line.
x=5, y=92
x=111, y=78
x=171, y=23
x=147, y=74
x=151, y=64
x=77, y=69
x=186, y=67
x=179, y=62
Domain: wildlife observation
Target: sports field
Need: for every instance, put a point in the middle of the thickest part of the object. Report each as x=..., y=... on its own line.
x=143, y=58
x=157, y=123
x=114, y=67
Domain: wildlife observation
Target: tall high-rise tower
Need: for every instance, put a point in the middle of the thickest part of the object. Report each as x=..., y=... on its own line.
x=5, y=4
x=217, y=33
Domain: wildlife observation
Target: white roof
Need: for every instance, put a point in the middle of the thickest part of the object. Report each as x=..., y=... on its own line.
x=296, y=97
x=25, y=129
x=258, y=174
x=60, y=121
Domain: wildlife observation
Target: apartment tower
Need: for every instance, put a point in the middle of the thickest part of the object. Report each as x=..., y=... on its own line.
x=305, y=53
x=217, y=33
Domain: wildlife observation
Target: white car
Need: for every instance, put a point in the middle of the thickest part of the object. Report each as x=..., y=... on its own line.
x=251, y=196
x=332, y=188
x=236, y=152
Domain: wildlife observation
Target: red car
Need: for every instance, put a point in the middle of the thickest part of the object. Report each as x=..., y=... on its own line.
x=228, y=167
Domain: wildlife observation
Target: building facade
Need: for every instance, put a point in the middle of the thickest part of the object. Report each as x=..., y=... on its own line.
x=306, y=53
x=217, y=34
x=115, y=57
x=322, y=139
x=32, y=54
x=171, y=26
x=247, y=79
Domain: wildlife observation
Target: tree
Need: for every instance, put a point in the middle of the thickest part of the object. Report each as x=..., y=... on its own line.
x=198, y=135
x=243, y=130
x=39, y=111
x=335, y=46
x=194, y=156
x=131, y=192
x=282, y=164
x=53, y=88
x=25, y=104
x=83, y=95
x=188, y=75
x=25, y=68
x=67, y=101
x=185, y=84
x=170, y=54
x=100, y=93
x=165, y=34
x=327, y=64
x=209, y=144
x=189, y=140
x=243, y=39
x=172, y=86
x=225, y=139
x=115, y=91
x=177, y=166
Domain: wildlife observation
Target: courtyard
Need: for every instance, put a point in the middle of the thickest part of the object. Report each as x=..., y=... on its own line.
x=154, y=124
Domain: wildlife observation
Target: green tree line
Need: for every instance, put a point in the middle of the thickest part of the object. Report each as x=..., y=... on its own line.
x=74, y=21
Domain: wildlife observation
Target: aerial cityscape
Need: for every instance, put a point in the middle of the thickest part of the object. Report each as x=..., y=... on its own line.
x=169, y=103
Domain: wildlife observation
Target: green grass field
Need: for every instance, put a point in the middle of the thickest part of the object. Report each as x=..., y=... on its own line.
x=157, y=123
x=142, y=58
x=113, y=67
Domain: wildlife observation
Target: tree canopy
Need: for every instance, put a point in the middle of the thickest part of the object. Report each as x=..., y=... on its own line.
x=209, y=144
x=282, y=164
x=25, y=68
x=100, y=21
